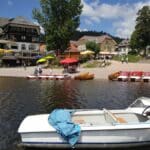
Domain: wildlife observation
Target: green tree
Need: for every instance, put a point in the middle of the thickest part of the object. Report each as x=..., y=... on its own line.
x=140, y=38
x=60, y=19
x=134, y=40
x=91, y=45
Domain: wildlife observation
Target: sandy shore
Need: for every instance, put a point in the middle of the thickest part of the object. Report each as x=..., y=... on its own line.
x=100, y=73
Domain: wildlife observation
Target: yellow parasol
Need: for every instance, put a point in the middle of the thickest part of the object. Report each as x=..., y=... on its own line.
x=1, y=50
x=87, y=52
x=6, y=51
x=48, y=57
x=42, y=60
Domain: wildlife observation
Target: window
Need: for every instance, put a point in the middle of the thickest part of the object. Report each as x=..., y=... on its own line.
x=32, y=47
x=23, y=37
x=35, y=39
x=23, y=47
x=14, y=47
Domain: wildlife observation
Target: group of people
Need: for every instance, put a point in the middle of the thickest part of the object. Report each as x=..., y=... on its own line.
x=38, y=71
x=124, y=59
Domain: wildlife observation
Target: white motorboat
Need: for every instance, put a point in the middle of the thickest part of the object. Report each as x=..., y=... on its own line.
x=99, y=128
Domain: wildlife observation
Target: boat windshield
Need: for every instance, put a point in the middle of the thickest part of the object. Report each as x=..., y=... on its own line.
x=138, y=103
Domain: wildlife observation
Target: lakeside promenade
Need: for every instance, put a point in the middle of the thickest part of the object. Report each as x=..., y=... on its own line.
x=100, y=73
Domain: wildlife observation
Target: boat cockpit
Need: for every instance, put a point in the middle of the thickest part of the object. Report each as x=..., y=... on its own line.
x=109, y=118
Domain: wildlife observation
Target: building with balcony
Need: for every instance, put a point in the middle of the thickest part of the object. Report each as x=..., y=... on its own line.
x=20, y=35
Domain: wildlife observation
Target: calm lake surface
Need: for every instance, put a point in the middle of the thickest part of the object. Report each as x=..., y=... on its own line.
x=20, y=97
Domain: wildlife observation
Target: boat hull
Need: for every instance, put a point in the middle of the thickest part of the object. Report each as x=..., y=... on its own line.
x=135, y=78
x=49, y=77
x=93, y=139
x=123, y=78
x=146, y=78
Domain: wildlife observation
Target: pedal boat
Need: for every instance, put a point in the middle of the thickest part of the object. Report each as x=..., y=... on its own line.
x=124, y=76
x=146, y=76
x=51, y=77
x=136, y=76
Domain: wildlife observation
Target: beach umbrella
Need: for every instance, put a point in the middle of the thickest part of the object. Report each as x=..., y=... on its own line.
x=49, y=57
x=8, y=51
x=87, y=52
x=1, y=50
x=68, y=61
x=42, y=60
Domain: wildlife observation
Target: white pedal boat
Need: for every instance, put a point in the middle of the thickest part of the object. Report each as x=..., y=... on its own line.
x=49, y=77
x=99, y=128
x=146, y=76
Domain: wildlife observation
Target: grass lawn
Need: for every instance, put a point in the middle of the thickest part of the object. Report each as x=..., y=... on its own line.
x=131, y=58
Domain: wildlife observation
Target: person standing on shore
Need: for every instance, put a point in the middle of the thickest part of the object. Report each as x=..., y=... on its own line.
x=122, y=59
x=40, y=70
x=36, y=72
x=126, y=59
x=24, y=65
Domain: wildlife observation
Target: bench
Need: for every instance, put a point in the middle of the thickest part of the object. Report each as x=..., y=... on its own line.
x=114, y=118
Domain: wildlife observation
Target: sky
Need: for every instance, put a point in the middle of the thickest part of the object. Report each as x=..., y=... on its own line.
x=116, y=17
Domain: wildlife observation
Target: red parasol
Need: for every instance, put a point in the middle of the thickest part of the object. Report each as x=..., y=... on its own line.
x=68, y=61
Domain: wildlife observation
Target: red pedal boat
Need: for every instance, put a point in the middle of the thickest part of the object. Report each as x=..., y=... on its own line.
x=146, y=76
x=124, y=76
x=136, y=76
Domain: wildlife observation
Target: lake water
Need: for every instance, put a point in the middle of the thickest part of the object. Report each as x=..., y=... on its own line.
x=20, y=97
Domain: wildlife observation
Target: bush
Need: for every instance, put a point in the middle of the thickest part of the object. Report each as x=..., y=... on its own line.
x=134, y=58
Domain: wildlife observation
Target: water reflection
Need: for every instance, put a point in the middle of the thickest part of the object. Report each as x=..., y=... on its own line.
x=21, y=97
x=60, y=94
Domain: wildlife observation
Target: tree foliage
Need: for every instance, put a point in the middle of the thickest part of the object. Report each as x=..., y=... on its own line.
x=140, y=38
x=59, y=18
x=91, y=45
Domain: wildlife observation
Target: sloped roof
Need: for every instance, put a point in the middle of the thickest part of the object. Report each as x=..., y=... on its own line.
x=124, y=43
x=90, y=38
x=21, y=20
x=72, y=48
x=97, y=39
x=18, y=20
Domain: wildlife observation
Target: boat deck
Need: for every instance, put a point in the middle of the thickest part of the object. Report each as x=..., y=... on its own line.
x=108, y=118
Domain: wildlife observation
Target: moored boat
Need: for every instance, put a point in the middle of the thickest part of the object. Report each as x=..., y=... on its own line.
x=84, y=76
x=146, y=76
x=136, y=76
x=114, y=76
x=124, y=76
x=51, y=77
x=99, y=128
